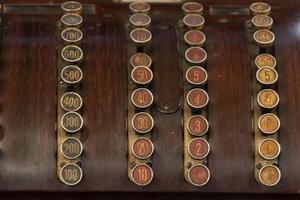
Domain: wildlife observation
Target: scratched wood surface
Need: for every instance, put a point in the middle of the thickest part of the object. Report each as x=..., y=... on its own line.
x=28, y=80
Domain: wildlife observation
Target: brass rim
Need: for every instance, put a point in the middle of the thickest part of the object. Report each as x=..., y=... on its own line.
x=152, y=148
x=68, y=110
x=61, y=171
x=262, y=82
x=71, y=66
x=208, y=177
x=196, y=107
x=71, y=14
x=206, y=121
x=141, y=14
x=266, y=132
x=75, y=29
x=198, y=62
x=191, y=82
x=80, y=144
x=71, y=10
x=72, y=131
x=73, y=46
x=262, y=155
x=262, y=42
x=139, y=41
x=199, y=25
x=146, y=106
x=138, y=131
x=208, y=149
x=260, y=179
x=151, y=172
x=268, y=107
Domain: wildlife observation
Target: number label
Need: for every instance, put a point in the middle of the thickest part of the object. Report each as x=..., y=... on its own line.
x=71, y=101
x=71, y=35
x=72, y=53
x=71, y=174
x=71, y=148
x=142, y=148
x=142, y=175
x=71, y=74
x=72, y=122
x=71, y=19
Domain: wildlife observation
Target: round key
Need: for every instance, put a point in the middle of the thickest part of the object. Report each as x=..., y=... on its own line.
x=197, y=98
x=197, y=126
x=260, y=8
x=141, y=75
x=269, y=149
x=71, y=101
x=71, y=122
x=198, y=148
x=192, y=7
x=264, y=38
x=262, y=22
x=139, y=7
x=72, y=6
x=198, y=175
x=72, y=53
x=142, y=174
x=142, y=98
x=194, y=21
x=266, y=75
x=71, y=19
x=140, y=36
x=140, y=20
x=265, y=60
x=142, y=122
x=71, y=174
x=268, y=123
x=71, y=35
x=268, y=98
x=71, y=148
x=269, y=175
x=140, y=59
x=142, y=148
x=196, y=55
x=71, y=74
x=195, y=37
x=196, y=75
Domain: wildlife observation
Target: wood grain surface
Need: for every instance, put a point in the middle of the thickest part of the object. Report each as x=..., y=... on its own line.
x=28, y=78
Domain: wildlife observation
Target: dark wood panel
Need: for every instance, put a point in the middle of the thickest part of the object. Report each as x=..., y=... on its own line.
x=230, y=104
x=28, y=99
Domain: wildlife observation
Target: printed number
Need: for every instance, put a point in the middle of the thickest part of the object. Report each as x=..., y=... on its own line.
x=143, y=175
x=72, y=121
x=71, y=175
x=142, y=75
x=72, y=54
x=196, y=76
x=143, y=123
x=267, y=75
x=198, y=146
x=73, y=35
x=71, y=102
x=198, y=125
x=72, y=75
x=72, y=20
x=71, y=148
x=142, y=148
x=198, y=100
x=142, y=98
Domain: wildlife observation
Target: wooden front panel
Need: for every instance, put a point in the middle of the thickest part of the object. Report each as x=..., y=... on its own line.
x=28, y=68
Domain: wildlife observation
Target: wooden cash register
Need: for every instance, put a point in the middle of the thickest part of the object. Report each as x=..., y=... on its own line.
x=156, y=99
